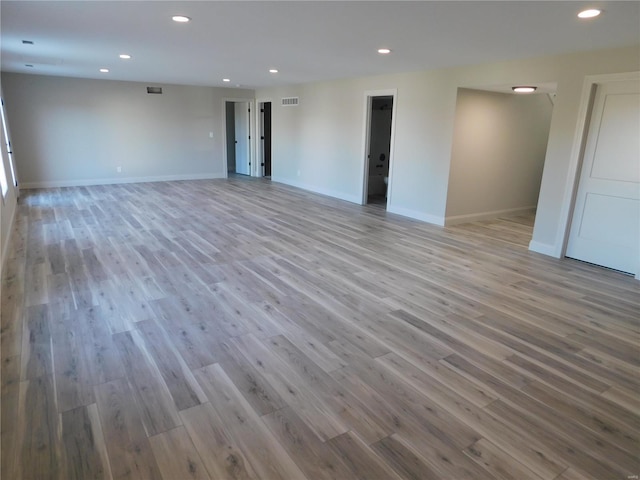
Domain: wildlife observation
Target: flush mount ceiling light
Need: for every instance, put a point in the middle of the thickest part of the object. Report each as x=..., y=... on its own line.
x=384, y=51
x=590, y=13
x=226, y=79
x=524, y=89
x=180, y=19
x=104, y=70
x=273, y=70
x=125, y=56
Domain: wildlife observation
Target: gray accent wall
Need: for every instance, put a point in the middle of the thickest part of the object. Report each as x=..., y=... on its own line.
x=69, y=131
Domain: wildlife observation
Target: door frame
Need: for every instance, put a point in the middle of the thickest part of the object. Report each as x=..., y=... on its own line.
x=259, y=172
x=366, y=134
x=590, y=85
x=13, y=173
x=252, y=128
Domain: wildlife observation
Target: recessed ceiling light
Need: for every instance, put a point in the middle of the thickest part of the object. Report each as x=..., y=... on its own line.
x=104, y=70
x=384, y=51
x=524, y=89
x=125, y=56
x=180, y=19
x=273, y=70
x=592, y=12
x=226, y=79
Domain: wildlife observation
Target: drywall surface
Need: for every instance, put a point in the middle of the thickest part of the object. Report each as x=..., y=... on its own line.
x=69, y=131
x=319, y=145
x=498, y=152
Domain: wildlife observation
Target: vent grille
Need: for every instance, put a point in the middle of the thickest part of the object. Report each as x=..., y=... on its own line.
x=155, y=90
x=290, y=101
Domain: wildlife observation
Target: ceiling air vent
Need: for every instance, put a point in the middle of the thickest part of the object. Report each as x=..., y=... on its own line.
x=156, y=90
x=290, y=101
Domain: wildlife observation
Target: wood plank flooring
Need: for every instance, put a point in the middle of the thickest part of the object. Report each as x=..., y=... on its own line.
x=242, y=329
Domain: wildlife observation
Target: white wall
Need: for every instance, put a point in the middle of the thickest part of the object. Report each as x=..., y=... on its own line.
x=323, y=137
x=498, y=152
x=69, y=131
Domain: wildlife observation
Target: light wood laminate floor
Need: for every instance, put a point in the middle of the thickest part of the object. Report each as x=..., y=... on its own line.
x=242, y=329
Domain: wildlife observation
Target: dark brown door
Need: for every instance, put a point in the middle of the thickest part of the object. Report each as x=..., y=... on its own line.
x=267, y=139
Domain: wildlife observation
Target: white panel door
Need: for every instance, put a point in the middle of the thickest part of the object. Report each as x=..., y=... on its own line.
x=241, y=110
x=606, y=221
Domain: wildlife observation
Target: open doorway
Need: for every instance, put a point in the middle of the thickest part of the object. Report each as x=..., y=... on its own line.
x=238, y=137
x=379, y=136
x=497, y=158
x=264, y=146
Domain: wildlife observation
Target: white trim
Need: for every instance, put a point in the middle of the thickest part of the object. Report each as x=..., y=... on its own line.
x=116, y=180
x=474, y=217
x=423, y=217
x=368, y=95
x=252, y=128
x=575, y=161
x=314, y=189
x=543, y=248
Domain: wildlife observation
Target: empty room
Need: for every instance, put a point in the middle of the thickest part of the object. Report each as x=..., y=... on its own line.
x=374, y=240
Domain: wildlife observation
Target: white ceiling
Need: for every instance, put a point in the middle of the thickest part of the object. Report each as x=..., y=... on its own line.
x=306, y=40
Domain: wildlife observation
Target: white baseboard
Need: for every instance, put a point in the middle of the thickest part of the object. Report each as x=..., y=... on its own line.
x=474, y=217
x=320, y=190
x=423, y=217
x=117, y=180
x=543, y=248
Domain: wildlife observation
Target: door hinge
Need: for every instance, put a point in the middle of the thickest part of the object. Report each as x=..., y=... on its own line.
x=262, y=138
x=262, y=164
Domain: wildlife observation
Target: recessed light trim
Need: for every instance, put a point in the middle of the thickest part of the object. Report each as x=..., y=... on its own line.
x=384, y=51
x=181, y=18
x=104, y=70
x=273, y=70
x=524, y=89
x=125, y=56
x=589, y=13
